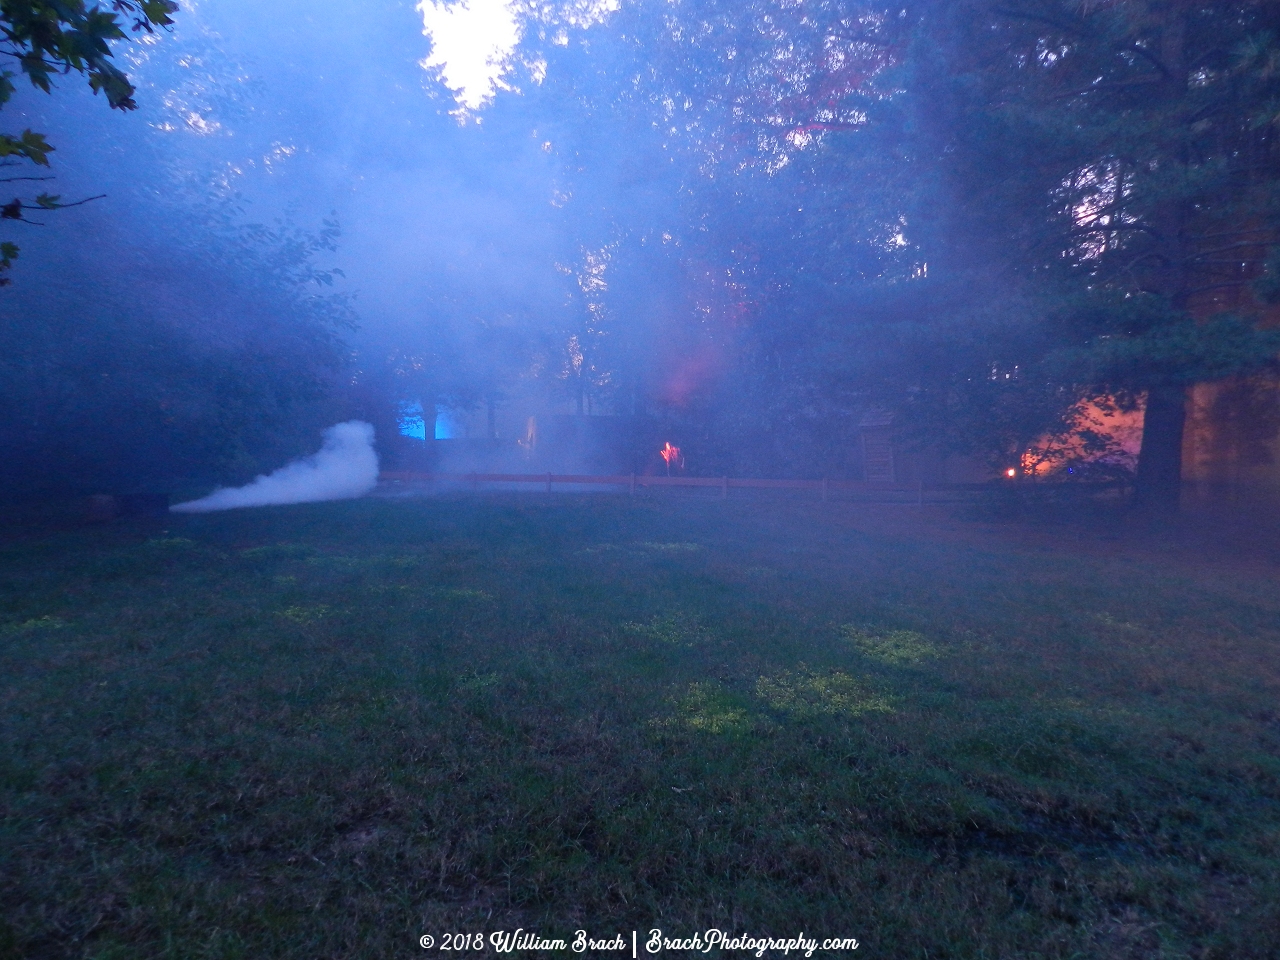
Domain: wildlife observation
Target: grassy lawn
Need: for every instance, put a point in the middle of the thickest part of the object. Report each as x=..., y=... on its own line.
x=326, y=730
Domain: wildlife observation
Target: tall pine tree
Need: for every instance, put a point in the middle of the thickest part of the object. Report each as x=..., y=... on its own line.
x=1139, y=188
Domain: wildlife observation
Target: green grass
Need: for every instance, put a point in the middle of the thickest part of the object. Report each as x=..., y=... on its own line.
x=325, y=730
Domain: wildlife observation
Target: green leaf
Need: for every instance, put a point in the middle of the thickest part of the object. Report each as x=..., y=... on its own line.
x=30, y=145
x=157, y=11
x=36, y=148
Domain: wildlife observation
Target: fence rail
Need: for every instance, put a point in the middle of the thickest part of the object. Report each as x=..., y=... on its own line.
x=899, y=491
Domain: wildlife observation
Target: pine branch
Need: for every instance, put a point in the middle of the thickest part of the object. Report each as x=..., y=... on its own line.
x=1149, y=57
x=1107, y=85
x=1037, y=18
x=1232, y=233
x=1242, y=260
x=1226, y=284
x=1231, y=246
x=1093, y=230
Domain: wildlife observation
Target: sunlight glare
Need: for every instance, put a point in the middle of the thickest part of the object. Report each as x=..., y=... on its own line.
x=470, y=43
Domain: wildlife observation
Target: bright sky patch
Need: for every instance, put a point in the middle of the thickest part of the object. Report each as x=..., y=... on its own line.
x=470, y=43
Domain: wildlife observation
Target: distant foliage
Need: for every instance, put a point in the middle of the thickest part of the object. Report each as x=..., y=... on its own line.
x=188, y=345
x=191, y=375
x=978, y=214
x=46, y=38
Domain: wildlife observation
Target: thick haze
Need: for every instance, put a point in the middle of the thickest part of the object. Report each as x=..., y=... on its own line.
x=307, y=110
x=476, y=232
x=753, y=225
x=329, y=125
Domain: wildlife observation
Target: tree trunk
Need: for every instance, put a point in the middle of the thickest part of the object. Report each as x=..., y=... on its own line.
x=1158, y=489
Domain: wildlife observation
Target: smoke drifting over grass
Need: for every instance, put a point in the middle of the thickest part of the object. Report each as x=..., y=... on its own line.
x=345, y=467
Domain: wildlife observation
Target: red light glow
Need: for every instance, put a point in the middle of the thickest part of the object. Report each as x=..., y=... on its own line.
x=672, y=456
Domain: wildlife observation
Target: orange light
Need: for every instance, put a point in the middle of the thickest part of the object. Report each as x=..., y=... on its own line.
x=671, y=455
x=1011, y=472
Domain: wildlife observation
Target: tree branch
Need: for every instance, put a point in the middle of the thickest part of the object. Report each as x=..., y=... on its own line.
x=1220, y=286
x=77, y=203
x=1108, y=85
x=1231, y=246
x=1095, y=229
x=1036, y=18
x=1231, y=233
x=1149, y=57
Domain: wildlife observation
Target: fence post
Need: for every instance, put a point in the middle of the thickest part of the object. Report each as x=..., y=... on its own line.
x=548, y=483
x=724, y=488
x=824, y=489
x=633, y=485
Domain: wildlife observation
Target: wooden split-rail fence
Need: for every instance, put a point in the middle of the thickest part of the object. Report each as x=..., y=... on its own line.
x=903, y=493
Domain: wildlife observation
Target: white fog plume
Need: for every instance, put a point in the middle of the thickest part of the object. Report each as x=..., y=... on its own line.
x=345, y=467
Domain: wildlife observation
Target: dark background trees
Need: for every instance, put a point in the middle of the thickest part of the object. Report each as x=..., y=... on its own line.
x=158, y=339
x=751, y=221
x=1125, y=154
x=978, y=214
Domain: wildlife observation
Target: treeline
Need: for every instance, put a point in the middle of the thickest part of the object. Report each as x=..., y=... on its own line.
x=165, y=368
x=159, y=340
x=978, y=215
x=755, y=219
